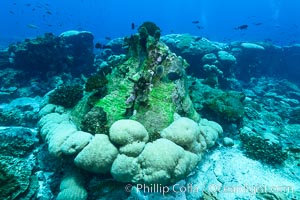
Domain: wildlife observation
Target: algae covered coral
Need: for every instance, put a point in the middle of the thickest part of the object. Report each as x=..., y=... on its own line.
x=127, y=129
x=149, y=86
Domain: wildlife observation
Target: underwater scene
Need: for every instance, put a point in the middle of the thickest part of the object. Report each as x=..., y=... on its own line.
x=150, y=100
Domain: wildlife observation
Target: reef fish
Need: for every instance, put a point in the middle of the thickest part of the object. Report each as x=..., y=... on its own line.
x=32, y=26
x=242, y=27
x=132, y=26
x=98, y=45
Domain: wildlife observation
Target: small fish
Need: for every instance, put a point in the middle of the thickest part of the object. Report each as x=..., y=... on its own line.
x=98, y=45
x=195, y=22
x=32, y=26
x=49, y=12
x=28, y=4
x=11, y=12
x=107, y=38
x=242, y=27
x=132, y=26
x=198, y=38
x=199, y=27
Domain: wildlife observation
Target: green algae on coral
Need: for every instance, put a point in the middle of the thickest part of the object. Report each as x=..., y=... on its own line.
x=119, y=89
x=114, y=104
x=159, y=112
x=141, y=89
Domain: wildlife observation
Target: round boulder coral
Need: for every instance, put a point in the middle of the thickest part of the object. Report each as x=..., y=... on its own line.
x=76, y=142
x=126, y=131
x=98, y=155
x=161, y=162
x=130, y=135
x=182, y=132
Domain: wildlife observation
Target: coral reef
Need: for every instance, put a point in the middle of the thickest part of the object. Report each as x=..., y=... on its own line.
x=76, y=142
x=98, y=155
x=191, y=48
x=72, y=186
x=266, y=149
x=162, y=162
x=149, y=29
x=227, y=105
x=128, y=143
x=127, y=127
x=95, y=121
x=131, y=136
x=149, y=86
x=71, y=51
x=193, y=137
x=66, y=95
x=17, y=163
x=20, y=112
x=145, y=90
x=95, y=82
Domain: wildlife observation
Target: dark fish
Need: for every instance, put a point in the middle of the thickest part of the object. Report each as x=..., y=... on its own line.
x=98, y=45
x=132, y=26
x=28, y=4
x=258, y=24
x=50, y=25
x=242, y=27
x=198, y=38
x=107, y=38
x=49, y=12
x=199, y=27
x=11, y=12
x=195, y=22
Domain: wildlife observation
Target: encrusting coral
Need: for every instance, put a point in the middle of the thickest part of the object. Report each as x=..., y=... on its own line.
x=265, y=148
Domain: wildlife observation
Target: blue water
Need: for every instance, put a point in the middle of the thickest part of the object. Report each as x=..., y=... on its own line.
x=268, y=20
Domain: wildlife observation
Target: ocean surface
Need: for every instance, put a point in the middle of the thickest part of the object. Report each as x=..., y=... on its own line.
x=276, y=21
